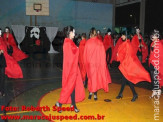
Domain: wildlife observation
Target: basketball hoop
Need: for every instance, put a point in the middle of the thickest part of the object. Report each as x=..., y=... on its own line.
x=37, y=7
x=37, y=10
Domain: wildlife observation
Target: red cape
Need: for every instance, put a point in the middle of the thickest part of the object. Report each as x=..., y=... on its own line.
x=108, y=42
x=156, y=59
x=13, y=69
x=71, y=76
x=114, y=56
x=130, y=65
x=18, y=55
x=135, y=44
x=81, y=60
x=95, y=65
x=100, y=37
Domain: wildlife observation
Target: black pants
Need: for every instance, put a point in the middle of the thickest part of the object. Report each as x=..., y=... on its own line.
x=2, y=80
x=109, y=51
x=155, y=83
x=86, y=81
x=131, y=85
x=139, y=55
x=73, y=98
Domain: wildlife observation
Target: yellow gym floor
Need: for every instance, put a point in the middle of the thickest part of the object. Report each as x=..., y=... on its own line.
x=118, y=110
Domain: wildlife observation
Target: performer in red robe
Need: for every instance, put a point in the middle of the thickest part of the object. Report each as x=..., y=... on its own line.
x=109, y=46
x=72, y=85
x=99, y=36
x=156, y=61
x=130, y=67
x=139, y=46
x=95, y=65
x=13, y=69
x=114, y=56
x=81, y=60
x=17, y=54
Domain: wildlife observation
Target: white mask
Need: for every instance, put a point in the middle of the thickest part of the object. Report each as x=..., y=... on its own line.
x=6, y=30
x=154, y=37
x=35, y=32
x=73, y=34
x=109, y=33
x=137, y=31
x=74, y=31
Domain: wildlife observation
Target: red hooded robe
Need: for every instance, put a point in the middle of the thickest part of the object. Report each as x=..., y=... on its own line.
x=17, y=54
x=81, y=60
x=130, y=65
x=71, y=76
x=13, y=69
x=95, y=65
x=108, y=42
x=100, y=37
x=135, y=44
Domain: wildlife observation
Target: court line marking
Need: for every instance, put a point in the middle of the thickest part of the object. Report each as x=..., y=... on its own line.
x=9, y=113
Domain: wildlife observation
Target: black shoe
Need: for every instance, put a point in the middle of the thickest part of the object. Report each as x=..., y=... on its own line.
x=59, y=106
x=2, y=94
x=95, y=98
x=90, y=96
x=119, y=96
x=75, y=108
x=134, y=98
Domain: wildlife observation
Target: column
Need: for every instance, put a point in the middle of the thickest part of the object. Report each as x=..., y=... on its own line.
x=113, y=17
x=142, y=16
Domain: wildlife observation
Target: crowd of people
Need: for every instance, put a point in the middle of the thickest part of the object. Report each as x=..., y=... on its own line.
x=86, y=63
x=89, y=64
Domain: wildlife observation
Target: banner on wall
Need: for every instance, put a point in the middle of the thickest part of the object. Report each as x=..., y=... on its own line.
x=35, y=40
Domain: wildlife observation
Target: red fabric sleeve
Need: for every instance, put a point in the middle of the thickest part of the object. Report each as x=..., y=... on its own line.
x=130, y=65
x=81, y=59
x=114, y=54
